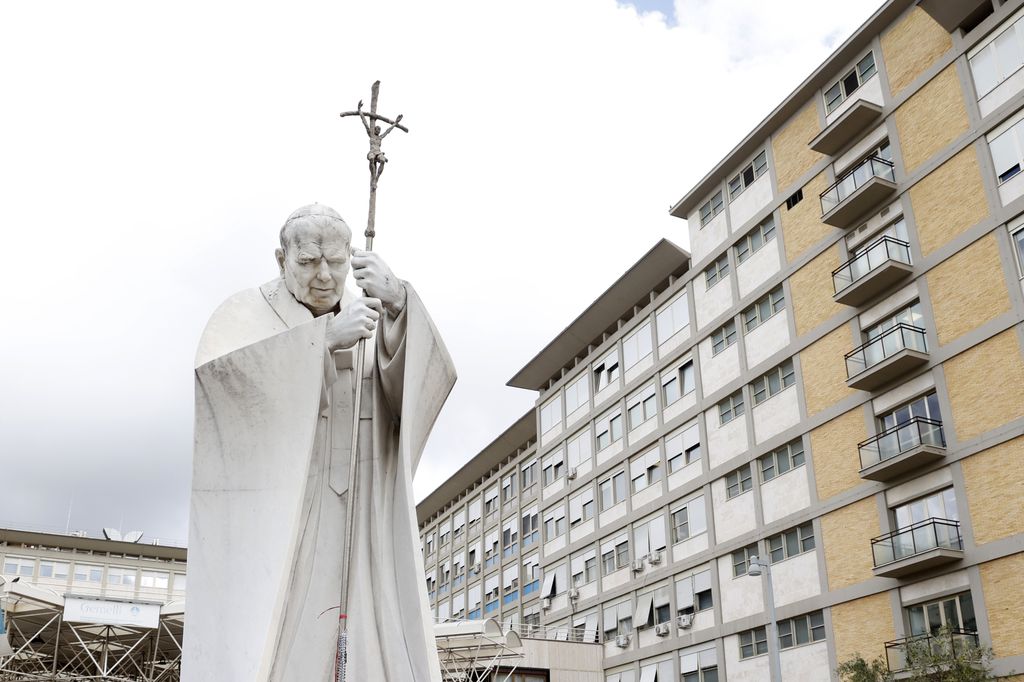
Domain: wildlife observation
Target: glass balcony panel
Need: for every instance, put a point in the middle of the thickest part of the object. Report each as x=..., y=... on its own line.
x=893, y=340
x=867, y=169
x=901, y=652
x=917, y=539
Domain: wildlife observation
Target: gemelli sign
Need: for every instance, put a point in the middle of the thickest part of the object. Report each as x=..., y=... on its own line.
x=101, y=612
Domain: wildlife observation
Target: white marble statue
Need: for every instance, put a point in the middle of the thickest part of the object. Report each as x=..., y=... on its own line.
x=274, y=394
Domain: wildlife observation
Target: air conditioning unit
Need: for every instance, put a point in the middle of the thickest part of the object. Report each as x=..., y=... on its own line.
x=574, y=594
x=572, y=473
x=545, y=603
x=654, y=558
x=661, y=629
x=638, y=565
x=476, y=568
x=685, y=620
x=622, y=641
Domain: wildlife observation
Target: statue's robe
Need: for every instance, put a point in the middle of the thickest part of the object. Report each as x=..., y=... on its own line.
x=269, y=493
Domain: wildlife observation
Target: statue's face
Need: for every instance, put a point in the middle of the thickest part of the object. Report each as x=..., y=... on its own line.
x=316, y=263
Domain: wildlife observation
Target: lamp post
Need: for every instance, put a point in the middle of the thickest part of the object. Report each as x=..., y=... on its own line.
x=774, y=659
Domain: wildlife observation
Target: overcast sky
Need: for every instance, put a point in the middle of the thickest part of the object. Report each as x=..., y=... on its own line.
x=150, y=152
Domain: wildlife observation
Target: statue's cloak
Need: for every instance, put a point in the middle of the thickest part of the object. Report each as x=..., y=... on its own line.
x=269, y=492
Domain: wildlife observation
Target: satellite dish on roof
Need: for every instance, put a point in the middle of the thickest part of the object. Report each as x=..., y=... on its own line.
x=115, y=534
x=111, y=533
x=133, y=536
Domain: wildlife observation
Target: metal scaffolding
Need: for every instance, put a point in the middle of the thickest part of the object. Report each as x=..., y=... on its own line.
x=47, y=647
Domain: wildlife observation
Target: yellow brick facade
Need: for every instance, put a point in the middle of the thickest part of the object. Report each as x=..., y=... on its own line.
x=994, y=479
x=846, y=538
x=968, y=290
x=811, y=291
x=932, y=118
x=834, y=453
x=824, y=372
x=910, y=46
x=985, y=385
x=792, y=156
x=948, y=201
x=1002, y=582
x=802, y=226
x=862, y=627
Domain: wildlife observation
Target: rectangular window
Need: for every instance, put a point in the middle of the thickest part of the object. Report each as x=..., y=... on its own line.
x=509, y=537
x=637, y=346
x=841, y=89
x=755, y=239
x=731, y=407
x=530, y=526
x=606, y=372
x=57, y=570
x=1007, y=151
x=677, y=382
x=693, y=593
x=711, y=208
x=673, y=317
x=645, y=470
x=699, y=664
x=459, y=523
x=781, y=460
x=689, y=520
x=794, y=199
x=642, y=406
x=1018, y=246
x=581, y=507
x=554, y=523
x=529, y=477
x=649, y=538
x=773, y=382
x=578, y=450
x=444, y=532
x=618, y=620
x=551, y=415
x=553, y=467
x=491, y=501
x=613, y=490
x=615, y=553
x=753, y=642
x=723, y=337
x=768, y=305
x=21, y=566
x=741, y=559
x=608, y=429
x=430, y=543
x=508, y=487
x=682, y=447
x=998, y=58
x=154, y=579
x=717, y=271
x=491, y=553
x=738, y=482
x=790, y=543
x=955, y=612
x=745, y=178
x=577, y=394
x=584, y=568
x=801, y=630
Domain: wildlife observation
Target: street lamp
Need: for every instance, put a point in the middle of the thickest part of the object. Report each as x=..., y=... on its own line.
x=774, y=660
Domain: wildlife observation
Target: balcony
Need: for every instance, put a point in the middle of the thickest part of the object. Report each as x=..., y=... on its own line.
x=860, y=190
x=844, y=129
x=900, y=654
x=877, y=269
x=886, y=357
x=925, y=544
x=902, y=448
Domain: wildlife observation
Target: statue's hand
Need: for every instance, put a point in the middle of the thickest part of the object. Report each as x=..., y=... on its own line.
x=373, y=276
x=356, y=321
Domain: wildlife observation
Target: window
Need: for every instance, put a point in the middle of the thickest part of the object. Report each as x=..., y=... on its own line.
x=745, y=178
x=837, y=93
x=431, y=578
x=551, y=415
x=741, y=559
x=508, y=487
x=926, y=406
x=613, y=490
x=491, y=586
x=637, y=346
x=1018, y=246
x=938, y=505
x=693, y=593
x=738, y=482
x=711, y=208
x=577, y=394
x=458, y=569
x=578, y=449
x=955, y=612
x=682, y=447
x=652, y=609
x=510, y=584
x=645, y=470
x=474, y=601
x=1007, y=151
x=731, y=407
x=717, y=271
x=641, y=406
x=615, y=553
x=509, y=535
x=531, y=574
x=530, y=525
x=445, y=570
x=459, y=524
x=723, y=337
x=606, y=372
x=19, y=566
x=529, y=476
x=677, y=383
x=790, y=543
x=430, y=543
x=608, y=429
x=554, y=523
x=649, y=537
x=618, y=619
x=58, y=570
x=753, y=642
x=773, y=382
x=153, y=579
x=755, y=239
x=491, y=501
x=179, y=582
x=689, y=520
x=781, y=460
x=444, y=532
x=794, y=199
x=699, y=664
x=768, y=305
x=491, y=554
x=473, y=554
x=584, y=568
x=998, y=58
x=459, y=606
x=673, y=317
x=553, y=467
x=801, y=630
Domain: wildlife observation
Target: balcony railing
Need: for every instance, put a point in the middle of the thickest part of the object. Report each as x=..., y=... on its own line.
x=556, y=632
x=892, y=341
x=901, y=439
x=882, y=263
x=900, y=654
x=917, y=539
x=871, y=167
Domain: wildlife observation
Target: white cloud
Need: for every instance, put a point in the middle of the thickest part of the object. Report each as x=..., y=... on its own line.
x=151, y=153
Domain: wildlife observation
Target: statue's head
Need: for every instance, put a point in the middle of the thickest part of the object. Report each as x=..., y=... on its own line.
x=314, y=256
